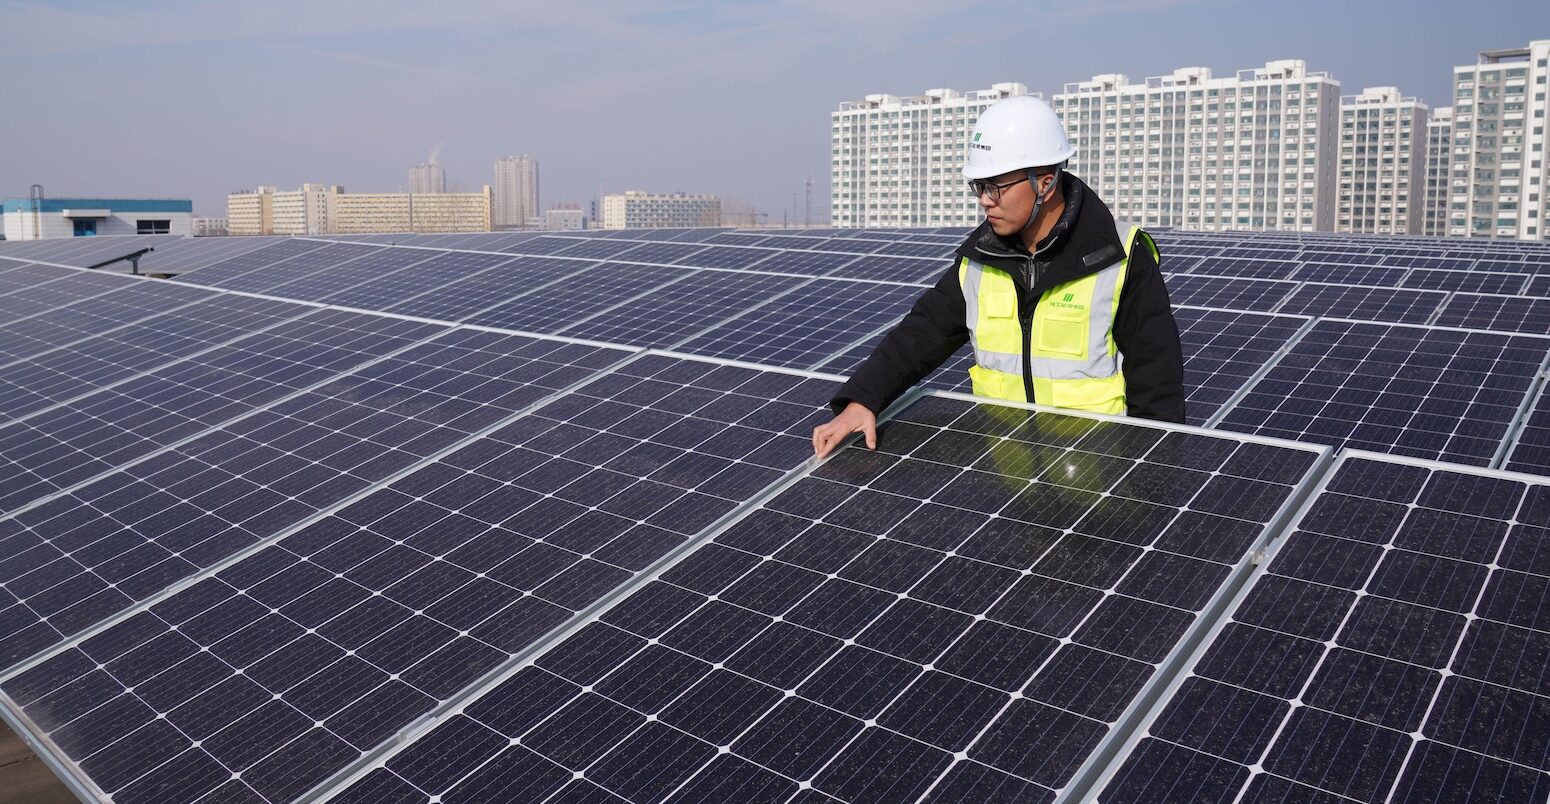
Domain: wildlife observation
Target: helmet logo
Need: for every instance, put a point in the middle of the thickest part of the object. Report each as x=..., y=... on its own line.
x=975, y=142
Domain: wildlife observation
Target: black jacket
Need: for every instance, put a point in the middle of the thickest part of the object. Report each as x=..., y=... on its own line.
x=1082, y=242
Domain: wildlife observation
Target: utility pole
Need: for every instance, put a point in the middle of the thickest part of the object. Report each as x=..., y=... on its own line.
x=807, y=217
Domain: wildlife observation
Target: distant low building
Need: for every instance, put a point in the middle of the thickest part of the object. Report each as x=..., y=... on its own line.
x=49, y=218
x=640, y=210
x=328, y=209
x=564, y=218
x=209, y=227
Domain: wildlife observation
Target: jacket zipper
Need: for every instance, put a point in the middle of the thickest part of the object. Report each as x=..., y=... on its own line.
x=1025, y=318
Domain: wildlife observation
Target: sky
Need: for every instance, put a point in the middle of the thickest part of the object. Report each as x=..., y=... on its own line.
x=158, y=98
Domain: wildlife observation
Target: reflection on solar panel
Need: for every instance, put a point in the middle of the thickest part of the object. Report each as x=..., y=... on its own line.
x=292, y=663
x=1366, y=303
x=1261, y=295
x=1378, y=275
x=1433, y=393
x=584, y=292
x=456, y=286
x=1392, y=650
x=894, y=624
x=894, y=269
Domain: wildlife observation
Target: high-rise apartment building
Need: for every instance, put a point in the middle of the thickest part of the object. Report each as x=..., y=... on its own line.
x=639, y=210
x=1439, y=173
x=897, y=161
x=1383, y=138
x=1498, y=162
x=516, y=191
x=428, y=177
x=1190, y=150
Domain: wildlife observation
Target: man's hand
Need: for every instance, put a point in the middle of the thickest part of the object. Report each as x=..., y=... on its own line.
x=854, y=418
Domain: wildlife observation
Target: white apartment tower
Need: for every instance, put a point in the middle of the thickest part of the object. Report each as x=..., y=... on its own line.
x=1439, y=161
x=516, y=191
x=1382, y=163
x=634, y=209
x=898, y=161
x=1188, y=150
x=428, y=177
x=1498, y=165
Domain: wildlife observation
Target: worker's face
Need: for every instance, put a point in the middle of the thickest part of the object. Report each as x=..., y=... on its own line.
x=1008, y=214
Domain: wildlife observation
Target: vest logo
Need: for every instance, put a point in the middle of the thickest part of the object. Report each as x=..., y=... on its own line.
x=1066, y=303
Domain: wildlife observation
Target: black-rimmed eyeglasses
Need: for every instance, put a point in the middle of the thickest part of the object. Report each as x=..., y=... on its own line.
x=979, y=187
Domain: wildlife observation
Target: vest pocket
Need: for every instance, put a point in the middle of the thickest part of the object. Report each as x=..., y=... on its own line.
x=1061, y=334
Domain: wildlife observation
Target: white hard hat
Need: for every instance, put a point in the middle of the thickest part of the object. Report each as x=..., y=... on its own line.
x=1018, y=132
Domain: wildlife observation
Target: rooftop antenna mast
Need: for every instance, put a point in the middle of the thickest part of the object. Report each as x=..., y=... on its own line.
x=807, y=218
x=35, y=195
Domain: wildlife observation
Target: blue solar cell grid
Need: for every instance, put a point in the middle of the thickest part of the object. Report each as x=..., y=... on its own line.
x=1260, y=295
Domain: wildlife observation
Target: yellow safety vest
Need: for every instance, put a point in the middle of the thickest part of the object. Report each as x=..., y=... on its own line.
x=1072, y=355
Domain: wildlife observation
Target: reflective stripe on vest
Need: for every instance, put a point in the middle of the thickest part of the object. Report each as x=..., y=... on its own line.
x=1072, y=355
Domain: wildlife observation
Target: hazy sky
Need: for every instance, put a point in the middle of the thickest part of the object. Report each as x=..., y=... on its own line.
x=184, y=99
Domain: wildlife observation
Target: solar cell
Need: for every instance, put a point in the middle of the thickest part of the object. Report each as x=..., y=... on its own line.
x=1392, y=650
x=293, y=662
x=1425, y=392
x=1538, y=286
x=1365, y=303
x=878, y=631
x=1504, y=313
x=807, y=326
x=1224, y=350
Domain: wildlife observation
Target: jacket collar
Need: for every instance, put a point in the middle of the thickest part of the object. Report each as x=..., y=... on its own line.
x=1083, y=241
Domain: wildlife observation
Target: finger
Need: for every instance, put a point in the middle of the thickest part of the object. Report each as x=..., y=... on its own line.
x=824, y=446
x=871, y=435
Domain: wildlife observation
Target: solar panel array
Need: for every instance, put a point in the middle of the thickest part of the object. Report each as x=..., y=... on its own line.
x=532, y=516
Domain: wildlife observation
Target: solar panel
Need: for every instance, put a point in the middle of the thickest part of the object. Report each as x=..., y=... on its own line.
x=1472, y=281
x=455, y=286
x=338, y=278
x=1538, y=286
x=301, y=266
x=934, y=251
x=1224, y=350
x=91, y=315
x=953, y=375
x=1261, y=295
x=1391, y=651
x=596, y=248
x=1424, y=392
x=658, y=253
x=297, y=660
x=51, y=450
x=54, y=288
x=1505, y=313
x=884, y=268
x=233, y=268
x=1366, y=303
x=580, y=295
x=197, y=252
x=540, y=245
x=98, y=360
x=1251, y=269
x=1381, y=276
x=1407, y=261
x=808, y=263
x=670, y=314
x=892, y=626
x=807, y=326
x=1509, y=266
x=1530, y=451
x=727, y=257
x=1348, y=257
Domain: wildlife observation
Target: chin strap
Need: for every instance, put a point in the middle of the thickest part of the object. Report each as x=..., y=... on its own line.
x=1040, y=198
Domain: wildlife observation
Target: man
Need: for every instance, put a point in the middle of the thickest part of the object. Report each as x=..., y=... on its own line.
x=1064, y=306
